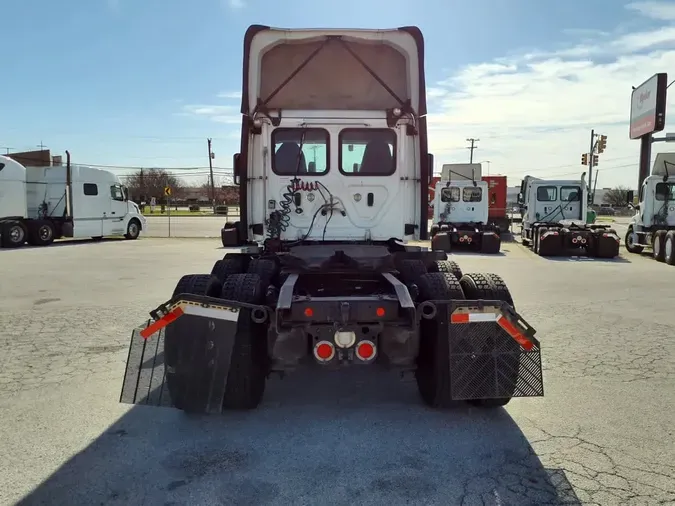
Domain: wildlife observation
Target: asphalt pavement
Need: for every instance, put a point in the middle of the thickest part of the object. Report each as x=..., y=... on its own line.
x=602, y=435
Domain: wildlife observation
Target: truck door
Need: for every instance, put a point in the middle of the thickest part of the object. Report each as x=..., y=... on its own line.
x=570, y=201
x=114, y=222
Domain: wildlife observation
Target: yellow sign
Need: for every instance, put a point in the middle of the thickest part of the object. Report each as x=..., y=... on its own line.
x=167, y=191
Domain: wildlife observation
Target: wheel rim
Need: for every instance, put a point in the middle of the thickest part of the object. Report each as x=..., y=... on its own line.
x=45, y=233
x=133, y=229
x=629, y=239
x=657, y=246
x=16, y=234
x=669, y=248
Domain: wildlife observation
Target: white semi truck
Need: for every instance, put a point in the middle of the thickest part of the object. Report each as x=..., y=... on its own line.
x=461, y=211
x=653, y=225
x=554, y=219
x=41, y=204
x=333, y=172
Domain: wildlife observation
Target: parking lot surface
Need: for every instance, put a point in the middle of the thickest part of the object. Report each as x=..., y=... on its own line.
x=603, y=434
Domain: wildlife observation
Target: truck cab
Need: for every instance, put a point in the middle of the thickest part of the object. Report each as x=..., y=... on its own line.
x=653, y=225
x=554, y=219
x=346, y=162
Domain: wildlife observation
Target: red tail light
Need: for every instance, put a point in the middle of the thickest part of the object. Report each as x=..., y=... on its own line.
x=366, y=350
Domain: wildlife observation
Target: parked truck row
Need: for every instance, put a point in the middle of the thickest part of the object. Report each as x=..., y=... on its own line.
x=41, y=204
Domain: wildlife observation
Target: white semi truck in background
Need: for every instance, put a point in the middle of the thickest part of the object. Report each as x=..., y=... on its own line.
x=461, y=211
x=554, y=219
x=653, y=225
x=41, y=204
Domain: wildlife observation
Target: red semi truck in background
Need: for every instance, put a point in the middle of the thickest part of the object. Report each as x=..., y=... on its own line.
x=497, y=199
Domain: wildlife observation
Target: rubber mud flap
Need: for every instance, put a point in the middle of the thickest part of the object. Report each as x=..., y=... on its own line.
x=482, y=357
x=185, y=365
x=441, y=242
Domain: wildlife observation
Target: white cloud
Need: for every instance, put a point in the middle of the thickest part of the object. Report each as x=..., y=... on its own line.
x=236, y=4
x=534, y=112
x=663, y=11
x=234, y=95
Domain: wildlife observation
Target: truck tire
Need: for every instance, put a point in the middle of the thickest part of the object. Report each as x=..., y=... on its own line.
x=249, y=364
x=631, y=247
x=446, y=266
x=229, y=265
x=265, y=268
x=411, y=269
x=669, y=248
x=433, y=361
x=14, y=234
x=178, y=350
x=657, y=246
x=198, y=284
x=133, y=229
x=489, y=286
x=41, y=233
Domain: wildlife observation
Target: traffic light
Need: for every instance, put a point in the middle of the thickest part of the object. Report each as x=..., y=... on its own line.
x=595, y=160
x=602, y=144
x=584, y=159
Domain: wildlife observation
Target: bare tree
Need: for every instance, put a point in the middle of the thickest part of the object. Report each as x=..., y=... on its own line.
x=616, y=197
x=226, y=192
x=147, y=183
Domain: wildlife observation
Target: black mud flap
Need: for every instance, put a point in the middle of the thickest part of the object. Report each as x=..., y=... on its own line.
x=209, y=328
x=493, y=353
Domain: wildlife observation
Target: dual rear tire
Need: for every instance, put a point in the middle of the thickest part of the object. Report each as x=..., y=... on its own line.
x=434, y=366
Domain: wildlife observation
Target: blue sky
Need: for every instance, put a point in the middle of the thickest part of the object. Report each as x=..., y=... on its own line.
x=144, y=83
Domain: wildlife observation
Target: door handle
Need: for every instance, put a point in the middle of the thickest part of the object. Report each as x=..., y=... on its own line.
x=113, y=212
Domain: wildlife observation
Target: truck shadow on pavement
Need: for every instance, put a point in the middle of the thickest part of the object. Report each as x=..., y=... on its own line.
x=355, y=436
x=66, y=242
x=581, y=258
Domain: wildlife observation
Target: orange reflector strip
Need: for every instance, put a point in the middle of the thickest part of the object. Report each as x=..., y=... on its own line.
x=515, y=333
x=473, y=317
x=161, y=323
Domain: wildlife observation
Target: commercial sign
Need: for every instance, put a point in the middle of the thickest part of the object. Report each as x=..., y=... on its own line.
x=648, y=106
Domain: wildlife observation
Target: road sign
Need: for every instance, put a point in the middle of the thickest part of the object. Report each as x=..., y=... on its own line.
x=167, y=191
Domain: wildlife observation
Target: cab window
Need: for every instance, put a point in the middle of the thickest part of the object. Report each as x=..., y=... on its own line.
x=665, y=191
x=570, y=193
x=288, y=159
x=472, y=194
x=367, y=152
x=116, y=193
x=450, y=194
x=547, y=193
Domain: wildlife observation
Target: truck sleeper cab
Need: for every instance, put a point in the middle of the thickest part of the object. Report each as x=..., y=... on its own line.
x=41, y=204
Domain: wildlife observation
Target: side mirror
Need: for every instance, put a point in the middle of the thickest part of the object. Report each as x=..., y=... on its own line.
x=520, y=198
x=629, y=197
x=236, y=168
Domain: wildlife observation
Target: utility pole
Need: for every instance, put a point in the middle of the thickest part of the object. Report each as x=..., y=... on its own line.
x=472, y=147
x=213, y=184
x=590, y=162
